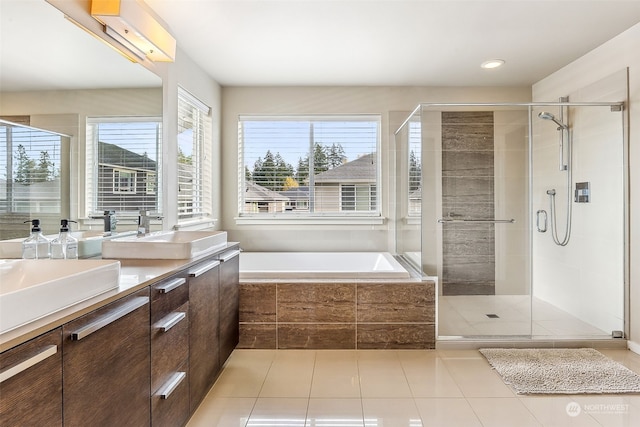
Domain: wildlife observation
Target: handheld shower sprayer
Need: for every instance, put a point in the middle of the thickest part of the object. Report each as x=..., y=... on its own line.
x=548, y=116
x=565, y=166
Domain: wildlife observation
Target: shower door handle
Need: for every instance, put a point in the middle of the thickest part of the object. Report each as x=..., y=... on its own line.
x=541, y=213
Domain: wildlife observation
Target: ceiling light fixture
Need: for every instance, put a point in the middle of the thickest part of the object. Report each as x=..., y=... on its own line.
x=492, y=63
x=132, y=24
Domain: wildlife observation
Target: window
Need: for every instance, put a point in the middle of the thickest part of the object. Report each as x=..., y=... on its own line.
x=30, y=161
x=194, y=158
x=123, y=164
x=309, y=166
x=124, y=181
x=358, y=197
x=415, y=169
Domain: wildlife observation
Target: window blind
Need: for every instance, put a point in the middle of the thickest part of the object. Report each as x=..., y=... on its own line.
x=124, y=161
x=194, y=158
x=415, y=168
x=317, y=165
x=30, y=170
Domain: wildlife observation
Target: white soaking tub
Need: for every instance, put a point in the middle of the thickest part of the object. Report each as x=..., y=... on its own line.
x=320, y=265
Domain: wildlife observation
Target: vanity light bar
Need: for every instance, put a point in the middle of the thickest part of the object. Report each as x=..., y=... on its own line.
x=131, y=23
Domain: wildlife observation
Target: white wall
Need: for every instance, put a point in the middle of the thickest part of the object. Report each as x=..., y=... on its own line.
x=328, y=100
x=612, y=57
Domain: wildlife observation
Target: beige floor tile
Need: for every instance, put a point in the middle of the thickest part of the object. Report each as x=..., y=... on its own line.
x=391, y=413
x=336, y=375
x=558, y=411
x=475, y=378
x=222, y=412
x=242, y=377
x=279, y=412
x=447, y=412
x=335, y=412
x=502, y=412
x=612, y=411
x=428, y=375
x=290, y=374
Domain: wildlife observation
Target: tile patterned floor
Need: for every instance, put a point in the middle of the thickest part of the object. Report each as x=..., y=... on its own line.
x=389, y=388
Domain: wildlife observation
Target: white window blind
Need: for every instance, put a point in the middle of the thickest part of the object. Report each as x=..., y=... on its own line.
x=310, y=166
x=124, y=161
x=415, y=169
x=194, y=158
x=30, y=170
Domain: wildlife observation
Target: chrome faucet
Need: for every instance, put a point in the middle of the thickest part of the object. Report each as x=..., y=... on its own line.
x=109, y=218
x=144, y=222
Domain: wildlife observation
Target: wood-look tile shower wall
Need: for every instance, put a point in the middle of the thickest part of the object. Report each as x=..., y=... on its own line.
x=468, y=193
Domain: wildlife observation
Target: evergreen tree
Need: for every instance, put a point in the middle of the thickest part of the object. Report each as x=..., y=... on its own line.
x=45, y=169
x=415, y=171
x=247, y=174
x=336, y=156
x=320, y=161
x=302, y=171
x=25, y=166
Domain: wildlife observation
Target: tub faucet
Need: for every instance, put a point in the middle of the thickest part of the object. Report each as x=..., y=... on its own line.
x=144, y=222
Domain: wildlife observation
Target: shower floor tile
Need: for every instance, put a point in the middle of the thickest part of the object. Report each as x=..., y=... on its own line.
x=472, y=315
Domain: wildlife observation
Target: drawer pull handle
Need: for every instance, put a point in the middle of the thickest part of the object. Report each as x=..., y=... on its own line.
x=174, y=284
x=229, y=255
x=26, y=364
x=171, y=320
x=109, y=318
x=201, y=270
x=171, y=385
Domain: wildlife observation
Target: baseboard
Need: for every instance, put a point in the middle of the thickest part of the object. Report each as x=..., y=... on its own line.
x=633, y=346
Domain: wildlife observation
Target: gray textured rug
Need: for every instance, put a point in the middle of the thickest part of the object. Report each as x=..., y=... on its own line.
x=561, y=371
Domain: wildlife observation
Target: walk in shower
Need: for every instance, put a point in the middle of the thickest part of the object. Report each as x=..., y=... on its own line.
x=520, y=212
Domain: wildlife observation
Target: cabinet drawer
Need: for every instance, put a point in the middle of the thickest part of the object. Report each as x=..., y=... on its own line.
x=170, y=404
x=167, y=296
x=169, y=345
x=31, y=382
x=106, y=362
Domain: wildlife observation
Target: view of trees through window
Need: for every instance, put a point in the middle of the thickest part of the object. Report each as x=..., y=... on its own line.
x=324, y=164
x=30, y=170
x=274, y=173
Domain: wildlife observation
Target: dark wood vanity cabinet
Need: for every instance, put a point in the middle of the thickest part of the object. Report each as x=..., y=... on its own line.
x=146, y=359
x=204, y=361
x=170, y=352
x=229, y=302
x=106, y=361
x=31, y=382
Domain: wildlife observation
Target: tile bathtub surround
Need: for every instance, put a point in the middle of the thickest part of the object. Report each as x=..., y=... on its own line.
x=410, y=388
x=337, y=315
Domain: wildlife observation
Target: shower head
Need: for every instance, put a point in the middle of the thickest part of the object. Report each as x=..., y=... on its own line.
x=548, y=116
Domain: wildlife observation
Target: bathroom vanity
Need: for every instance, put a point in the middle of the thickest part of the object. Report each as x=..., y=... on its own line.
x=143, y=354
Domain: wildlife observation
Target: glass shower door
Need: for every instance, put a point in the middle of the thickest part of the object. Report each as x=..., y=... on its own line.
x=483, y=220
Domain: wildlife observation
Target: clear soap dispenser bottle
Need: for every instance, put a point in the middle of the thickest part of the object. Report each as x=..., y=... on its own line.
x=36, y=246
x=65, y=246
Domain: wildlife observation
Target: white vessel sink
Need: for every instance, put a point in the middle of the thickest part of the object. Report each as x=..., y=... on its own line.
x=31, y=289
x=164, y=245
x=89, y=243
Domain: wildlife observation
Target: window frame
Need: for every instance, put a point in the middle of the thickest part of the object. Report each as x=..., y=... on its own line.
x=117, y=181
x=334, y=217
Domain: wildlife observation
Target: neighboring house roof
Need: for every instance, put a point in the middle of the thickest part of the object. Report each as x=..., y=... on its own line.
x=297, y=193
x=117, y=156
x=362, y=169
x=258, y=193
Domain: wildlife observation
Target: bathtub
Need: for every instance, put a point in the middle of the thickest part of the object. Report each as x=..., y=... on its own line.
x=320, y=265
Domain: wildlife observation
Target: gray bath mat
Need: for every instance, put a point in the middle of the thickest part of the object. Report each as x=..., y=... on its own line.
x=561, y=371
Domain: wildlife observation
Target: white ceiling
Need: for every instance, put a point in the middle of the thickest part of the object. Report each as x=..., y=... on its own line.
x=390, y=42
x=321, y=42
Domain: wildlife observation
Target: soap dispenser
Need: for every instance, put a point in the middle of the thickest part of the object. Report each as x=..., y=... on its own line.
x=65, y=246
x=36, y=246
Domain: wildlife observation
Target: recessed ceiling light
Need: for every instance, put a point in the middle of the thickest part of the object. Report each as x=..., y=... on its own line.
x=492, y=63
